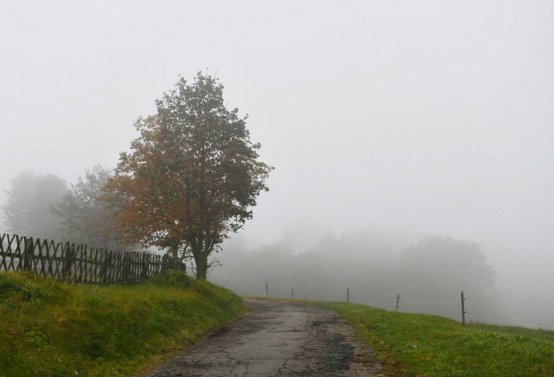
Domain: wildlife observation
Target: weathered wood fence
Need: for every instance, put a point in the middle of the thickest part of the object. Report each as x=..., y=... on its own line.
x=77, y=263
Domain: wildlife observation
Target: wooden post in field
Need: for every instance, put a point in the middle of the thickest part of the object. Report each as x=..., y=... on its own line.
x=266, y=289
x=397, y=301
x=463, y=309
x=347, y=295
x=292, y=293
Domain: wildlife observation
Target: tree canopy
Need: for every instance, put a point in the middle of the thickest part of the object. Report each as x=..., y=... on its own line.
x=191, y=177
x=29, y=205
x=433, y=272
x=84, y=217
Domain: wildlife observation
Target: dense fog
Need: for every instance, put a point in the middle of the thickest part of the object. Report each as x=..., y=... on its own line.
x=377, y=266
x=413, y=142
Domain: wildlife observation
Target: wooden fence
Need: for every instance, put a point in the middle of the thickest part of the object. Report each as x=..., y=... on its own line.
x=77, y=263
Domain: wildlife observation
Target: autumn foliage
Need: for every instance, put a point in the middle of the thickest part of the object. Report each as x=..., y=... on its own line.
x=191, y=177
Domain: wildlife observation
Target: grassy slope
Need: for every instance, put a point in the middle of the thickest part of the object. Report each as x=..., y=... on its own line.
x=52, y=329
x=430, y=346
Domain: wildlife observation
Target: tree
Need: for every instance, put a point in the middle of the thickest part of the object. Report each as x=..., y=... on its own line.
x=30, y=199
x=433, y=272
x=191, y=177
x=84, y=217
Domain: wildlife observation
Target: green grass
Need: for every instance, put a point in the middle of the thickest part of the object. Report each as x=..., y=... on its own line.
x=541, y=334
x=51, y=329
x=431, y=346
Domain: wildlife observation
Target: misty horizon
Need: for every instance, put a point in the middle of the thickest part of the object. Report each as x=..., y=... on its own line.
x=398, y=121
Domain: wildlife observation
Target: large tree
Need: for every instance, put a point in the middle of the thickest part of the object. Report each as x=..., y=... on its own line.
x=191, y=177
x=84, y=217
x=28, y=208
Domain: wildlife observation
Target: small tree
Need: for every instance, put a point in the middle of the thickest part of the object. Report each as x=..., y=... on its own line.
x=84, y=217
x=192, y=175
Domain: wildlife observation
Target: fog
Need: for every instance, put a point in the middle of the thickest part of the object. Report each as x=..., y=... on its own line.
x=387, y=121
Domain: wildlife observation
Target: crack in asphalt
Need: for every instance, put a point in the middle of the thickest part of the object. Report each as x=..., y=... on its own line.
x=277, y=340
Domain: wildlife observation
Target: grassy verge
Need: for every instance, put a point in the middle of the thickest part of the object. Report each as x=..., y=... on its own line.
x=50, y=329
x=430, y=346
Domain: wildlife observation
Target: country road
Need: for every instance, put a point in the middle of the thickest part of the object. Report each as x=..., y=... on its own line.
x=277, y=339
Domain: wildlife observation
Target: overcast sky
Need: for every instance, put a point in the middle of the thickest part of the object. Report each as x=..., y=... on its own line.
x=430, y=116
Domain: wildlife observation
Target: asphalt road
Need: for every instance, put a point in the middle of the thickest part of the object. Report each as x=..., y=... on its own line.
x=277, y=339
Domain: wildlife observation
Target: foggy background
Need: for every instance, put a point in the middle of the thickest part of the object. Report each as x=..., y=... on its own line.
x=395, y=120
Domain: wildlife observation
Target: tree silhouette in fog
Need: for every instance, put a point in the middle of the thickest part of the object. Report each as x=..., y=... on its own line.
x=85, y=218
x=433, y=272
x=28, y=210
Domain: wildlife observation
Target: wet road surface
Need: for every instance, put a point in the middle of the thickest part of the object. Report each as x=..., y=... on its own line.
x=277, y=339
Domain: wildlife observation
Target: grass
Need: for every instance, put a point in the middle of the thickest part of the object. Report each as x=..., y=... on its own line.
x=541, y=334
x=51, y=329
x=431, y=346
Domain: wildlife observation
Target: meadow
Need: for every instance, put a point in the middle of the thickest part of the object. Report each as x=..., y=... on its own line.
x=430, y=346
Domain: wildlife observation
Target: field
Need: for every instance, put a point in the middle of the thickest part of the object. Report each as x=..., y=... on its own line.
x=51, y=329
x=431, y=346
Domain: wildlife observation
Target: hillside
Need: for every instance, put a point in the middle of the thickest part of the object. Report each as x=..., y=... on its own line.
x=423, y=345
x=52, y=329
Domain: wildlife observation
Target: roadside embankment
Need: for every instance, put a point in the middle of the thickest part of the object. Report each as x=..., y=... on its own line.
x=52, y=329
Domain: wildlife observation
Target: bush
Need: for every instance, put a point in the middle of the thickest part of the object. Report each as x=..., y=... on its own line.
x=173, y=277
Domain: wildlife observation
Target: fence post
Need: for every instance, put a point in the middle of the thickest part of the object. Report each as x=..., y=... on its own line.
x=266, y=289
x=66, y=262
x=463, y=309
x=145, y=263
x=347, y=295
x=292, y=293
x=28, y=254
x=397, y=301
x=105, y=258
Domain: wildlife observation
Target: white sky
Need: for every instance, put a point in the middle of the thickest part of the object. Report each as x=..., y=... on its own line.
x=427, y=116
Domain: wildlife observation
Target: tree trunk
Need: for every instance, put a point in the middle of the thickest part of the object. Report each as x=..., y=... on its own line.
x=201, y=262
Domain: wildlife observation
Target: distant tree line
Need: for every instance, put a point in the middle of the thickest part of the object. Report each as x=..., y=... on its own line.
x=429, y=275
x=44, y=206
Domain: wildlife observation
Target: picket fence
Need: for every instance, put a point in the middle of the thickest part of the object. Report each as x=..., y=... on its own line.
x=78, y=263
